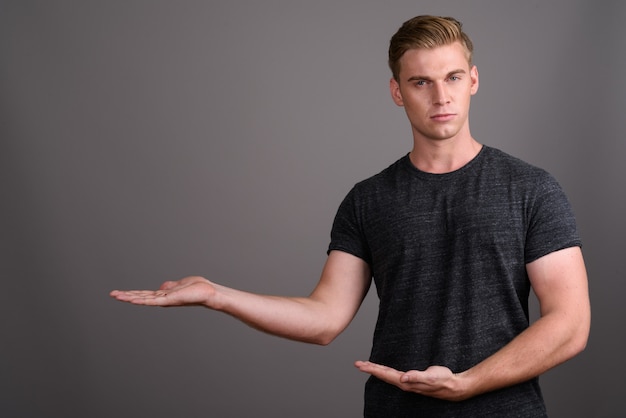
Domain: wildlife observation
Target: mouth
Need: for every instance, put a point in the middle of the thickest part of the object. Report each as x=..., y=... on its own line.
x=443, y=117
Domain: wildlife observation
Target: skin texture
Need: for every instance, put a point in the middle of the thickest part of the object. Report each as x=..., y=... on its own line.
x=316, y=319
x=435, y=88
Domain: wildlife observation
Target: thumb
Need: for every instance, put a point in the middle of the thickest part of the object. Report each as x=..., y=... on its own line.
x=168, y=285
x=412, y=376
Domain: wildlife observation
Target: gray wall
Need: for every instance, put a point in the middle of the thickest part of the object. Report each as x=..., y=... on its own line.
x=147, y=141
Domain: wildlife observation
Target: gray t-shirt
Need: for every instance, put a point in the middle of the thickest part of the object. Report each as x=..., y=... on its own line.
x=448, y=254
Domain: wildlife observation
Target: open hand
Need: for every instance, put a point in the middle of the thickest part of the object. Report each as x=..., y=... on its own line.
x=435, y=381
x=189, y=291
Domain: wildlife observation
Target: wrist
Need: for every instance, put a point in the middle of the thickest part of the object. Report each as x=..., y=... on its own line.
x=464, y=385
x=215, y=297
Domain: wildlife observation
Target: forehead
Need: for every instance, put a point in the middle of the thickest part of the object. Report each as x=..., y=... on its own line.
x=434, y=61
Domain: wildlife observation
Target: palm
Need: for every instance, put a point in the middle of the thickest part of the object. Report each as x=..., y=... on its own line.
x=435, y=381
x=185, y=292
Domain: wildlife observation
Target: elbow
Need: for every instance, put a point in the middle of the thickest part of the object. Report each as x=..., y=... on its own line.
x=316, y=340
x=579, y=339
x=576, y=346
x=580, y=342
x=584, y=329
x=324, y=338
x=323, y=341
x=326, y=331
x=326, y=335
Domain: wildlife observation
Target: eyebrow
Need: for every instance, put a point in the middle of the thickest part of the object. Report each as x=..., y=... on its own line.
x=422, y=77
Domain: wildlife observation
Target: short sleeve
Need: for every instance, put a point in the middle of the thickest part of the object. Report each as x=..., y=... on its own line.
x=347, y=231
x=552, y=225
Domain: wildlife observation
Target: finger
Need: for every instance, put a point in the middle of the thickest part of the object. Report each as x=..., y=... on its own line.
x=120, y=294
x=368, y=365
x=385, y=373
x=138, y=296
x=154, y=299
x=124, y=294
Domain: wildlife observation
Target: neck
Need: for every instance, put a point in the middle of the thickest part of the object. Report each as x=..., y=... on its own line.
x=443, y=156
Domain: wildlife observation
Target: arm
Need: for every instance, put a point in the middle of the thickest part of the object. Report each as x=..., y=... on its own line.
x=559, y=280
x=318, y=318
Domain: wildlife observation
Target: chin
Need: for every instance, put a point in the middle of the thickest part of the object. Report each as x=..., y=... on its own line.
x=442, y=137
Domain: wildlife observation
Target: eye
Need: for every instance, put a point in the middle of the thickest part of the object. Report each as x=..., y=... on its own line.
x=454, y=78
x=420, y=83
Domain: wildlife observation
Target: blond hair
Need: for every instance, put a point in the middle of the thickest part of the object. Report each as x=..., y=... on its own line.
x=426, y=32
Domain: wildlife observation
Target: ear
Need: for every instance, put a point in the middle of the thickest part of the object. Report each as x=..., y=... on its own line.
x=396, y=95
x=474, y=79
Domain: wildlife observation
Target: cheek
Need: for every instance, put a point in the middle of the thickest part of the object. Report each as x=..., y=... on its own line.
x=417, y=102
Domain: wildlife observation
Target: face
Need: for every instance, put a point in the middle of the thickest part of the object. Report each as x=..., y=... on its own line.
x=434, y=87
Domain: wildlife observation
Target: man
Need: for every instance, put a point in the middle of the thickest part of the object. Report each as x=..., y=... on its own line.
x=454, y=234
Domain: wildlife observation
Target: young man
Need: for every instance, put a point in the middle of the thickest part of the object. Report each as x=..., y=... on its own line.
x=454, y=234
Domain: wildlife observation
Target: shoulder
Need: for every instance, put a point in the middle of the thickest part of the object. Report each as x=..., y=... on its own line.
x=505, y=167
x=378, y=189
x=500, y=159
x=391, y=175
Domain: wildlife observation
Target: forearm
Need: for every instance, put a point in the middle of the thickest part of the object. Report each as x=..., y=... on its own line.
x=318, y=318
x=544, y=345
x=297, y=318
x=560, y=283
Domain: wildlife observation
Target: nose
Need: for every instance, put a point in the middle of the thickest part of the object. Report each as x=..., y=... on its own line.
x=440, y=95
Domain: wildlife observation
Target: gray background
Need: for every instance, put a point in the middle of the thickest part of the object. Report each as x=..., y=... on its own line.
x=147, y=141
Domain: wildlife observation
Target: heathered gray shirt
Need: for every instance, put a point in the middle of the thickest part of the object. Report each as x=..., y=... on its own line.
x=448, y=255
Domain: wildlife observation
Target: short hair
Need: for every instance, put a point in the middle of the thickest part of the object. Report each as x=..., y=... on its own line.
x=426, y=32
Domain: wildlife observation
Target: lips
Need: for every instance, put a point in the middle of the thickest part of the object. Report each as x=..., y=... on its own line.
x=443, y=117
